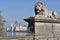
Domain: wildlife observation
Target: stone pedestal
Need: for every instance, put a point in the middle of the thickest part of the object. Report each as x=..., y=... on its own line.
x=45, y=24
x=44, y=27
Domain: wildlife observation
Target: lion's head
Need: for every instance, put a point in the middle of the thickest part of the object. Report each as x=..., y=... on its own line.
x=39, y=7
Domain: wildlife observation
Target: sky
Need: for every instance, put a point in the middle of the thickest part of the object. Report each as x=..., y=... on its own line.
x=13, y=10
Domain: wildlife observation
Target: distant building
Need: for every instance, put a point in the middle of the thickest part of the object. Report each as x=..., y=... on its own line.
x=16, y=27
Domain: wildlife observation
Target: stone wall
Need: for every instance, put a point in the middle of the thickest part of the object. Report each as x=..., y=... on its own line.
x=17, y=38
x=43, y=28
x=47, y=28
x=30, y=38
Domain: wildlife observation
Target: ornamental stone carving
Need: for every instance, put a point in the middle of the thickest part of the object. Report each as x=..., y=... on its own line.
x=40, y=9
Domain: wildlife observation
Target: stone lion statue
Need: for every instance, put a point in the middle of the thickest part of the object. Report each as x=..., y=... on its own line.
x=40, y=9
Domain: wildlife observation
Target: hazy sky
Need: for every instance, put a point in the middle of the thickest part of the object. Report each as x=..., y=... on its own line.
x=13, y=10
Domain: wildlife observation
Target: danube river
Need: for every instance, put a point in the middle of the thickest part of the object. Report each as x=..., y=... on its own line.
x=16, y=33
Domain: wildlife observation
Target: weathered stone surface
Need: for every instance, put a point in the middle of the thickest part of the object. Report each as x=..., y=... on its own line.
x=43, y=28
x=17, y=38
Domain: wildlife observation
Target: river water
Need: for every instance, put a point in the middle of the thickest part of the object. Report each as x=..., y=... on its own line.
x=16, y=33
